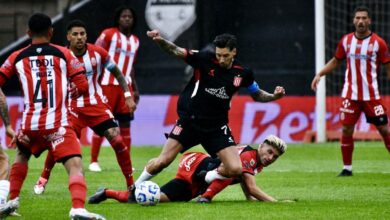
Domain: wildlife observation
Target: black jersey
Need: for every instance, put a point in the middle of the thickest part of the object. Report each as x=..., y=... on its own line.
x=210, y=90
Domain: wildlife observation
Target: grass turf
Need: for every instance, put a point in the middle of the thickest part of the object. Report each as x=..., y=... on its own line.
x=306, y=173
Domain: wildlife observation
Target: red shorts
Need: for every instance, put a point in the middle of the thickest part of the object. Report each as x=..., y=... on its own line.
x=189, y=162
x=115, y=99
x=89, y=116
x=61, y=141
x=374, y=110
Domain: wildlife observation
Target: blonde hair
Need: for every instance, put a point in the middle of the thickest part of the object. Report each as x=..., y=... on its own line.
x=276, y=142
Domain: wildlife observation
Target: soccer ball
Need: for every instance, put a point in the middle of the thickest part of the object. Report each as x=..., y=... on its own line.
x=147, y=193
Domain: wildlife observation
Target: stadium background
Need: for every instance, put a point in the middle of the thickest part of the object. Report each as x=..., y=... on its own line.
x=275, y=38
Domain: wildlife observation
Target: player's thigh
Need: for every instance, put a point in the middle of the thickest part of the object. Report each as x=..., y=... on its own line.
x=230, y=158
x=171, y=149
x=376, y=112
x=350, y=111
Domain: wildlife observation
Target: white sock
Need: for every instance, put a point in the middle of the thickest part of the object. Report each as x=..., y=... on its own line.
x=213, y=175
x=347, y=167
x=143, y=177
x=4, y=191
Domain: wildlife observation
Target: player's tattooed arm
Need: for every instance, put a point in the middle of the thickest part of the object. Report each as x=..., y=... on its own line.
x=4, y=108
x=263, y=96
x=166, y=45
x=121, y=79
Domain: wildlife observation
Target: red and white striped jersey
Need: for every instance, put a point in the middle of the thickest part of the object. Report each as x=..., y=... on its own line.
x=122, y=49
x=95, y=61
x=43, y=71
x=363, y=59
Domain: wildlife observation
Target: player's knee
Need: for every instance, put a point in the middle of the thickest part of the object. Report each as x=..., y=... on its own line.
x=117, y=143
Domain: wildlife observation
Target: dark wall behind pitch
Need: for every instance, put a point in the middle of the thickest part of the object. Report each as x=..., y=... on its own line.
x=275, y=39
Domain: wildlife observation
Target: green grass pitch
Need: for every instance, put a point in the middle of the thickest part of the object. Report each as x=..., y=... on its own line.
x=307, y=173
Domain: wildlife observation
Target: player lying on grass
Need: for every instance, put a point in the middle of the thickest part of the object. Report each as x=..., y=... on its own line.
x=189, y=181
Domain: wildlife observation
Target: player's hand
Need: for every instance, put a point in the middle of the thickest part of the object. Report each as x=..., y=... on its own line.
x=279, y=92
x=315, y=82
x=154, y=34
x=131, y=104
x=136, y=97
x=11, y=133
x=73, y=91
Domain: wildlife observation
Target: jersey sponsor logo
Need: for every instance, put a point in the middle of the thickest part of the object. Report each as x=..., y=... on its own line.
x=171, y=17
x=177, y=130
x=75, y=63
x=220, y=92
x=345, y=106
x=187, y=161
x=237, y=81
x=359, y=56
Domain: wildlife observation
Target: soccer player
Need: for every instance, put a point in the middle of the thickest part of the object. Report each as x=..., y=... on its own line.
x=122, y=45
x=364, y=51
x=44, y=71
x=90, y=109
x=204, y=104
x=187, y=184
x=5, y=208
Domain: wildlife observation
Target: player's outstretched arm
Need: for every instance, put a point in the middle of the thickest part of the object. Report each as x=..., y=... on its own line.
x=252, y=190
x=329, y=67
x=387, y=67
x=166, y=45
x=263, y=96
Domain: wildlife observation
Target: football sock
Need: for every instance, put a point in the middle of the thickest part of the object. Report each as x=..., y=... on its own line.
x=78, y=190
x=121, y=196
x=347, y=167
x=145, y=175
x=49, y=164
x=123, y=158
x=347, y=149
x=387, y=142
x=4, y=191
x=126, y=135
x=95, y=147
x=215, y=187
x=16, y=178
x=213, y=175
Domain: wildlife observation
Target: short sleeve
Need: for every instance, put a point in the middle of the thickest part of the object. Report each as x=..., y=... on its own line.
x=383, y=52
x=195, y=58
x=103, y=40
x=7, y=69
x=340, y=51
x=249, y=78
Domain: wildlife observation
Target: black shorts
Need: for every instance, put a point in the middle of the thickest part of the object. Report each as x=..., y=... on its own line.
x=104, y=126
x=177, y=190
x=212, y=136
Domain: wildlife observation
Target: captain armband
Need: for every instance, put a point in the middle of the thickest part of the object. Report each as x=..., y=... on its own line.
x=253, y=88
